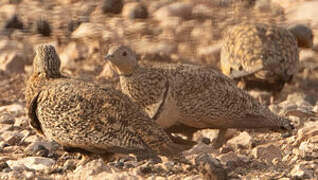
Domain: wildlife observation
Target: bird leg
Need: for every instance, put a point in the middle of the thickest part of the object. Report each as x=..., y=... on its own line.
x=221, y=139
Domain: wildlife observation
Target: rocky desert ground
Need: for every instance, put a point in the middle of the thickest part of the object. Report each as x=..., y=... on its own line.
x=188, y=31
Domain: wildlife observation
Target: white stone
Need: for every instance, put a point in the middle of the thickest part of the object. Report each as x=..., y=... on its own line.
x=242, y=140
x=34, y=163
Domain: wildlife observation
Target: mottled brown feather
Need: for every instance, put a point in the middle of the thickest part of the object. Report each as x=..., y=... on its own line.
x=79, y=114
x=262, y=56
x=197, y=96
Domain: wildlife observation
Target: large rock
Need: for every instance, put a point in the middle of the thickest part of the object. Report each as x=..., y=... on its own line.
x=177, y=9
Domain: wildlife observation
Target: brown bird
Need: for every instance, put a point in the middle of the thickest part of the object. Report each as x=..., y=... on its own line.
x=263, y=57
x=81, y=115
x=189, y=95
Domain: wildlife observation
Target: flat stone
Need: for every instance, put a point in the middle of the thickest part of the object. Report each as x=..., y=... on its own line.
x=34, y=163
x=243, y=140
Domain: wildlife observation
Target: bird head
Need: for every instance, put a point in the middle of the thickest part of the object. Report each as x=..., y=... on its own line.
x=46, y=61
x=303, y=34
x=123, y=59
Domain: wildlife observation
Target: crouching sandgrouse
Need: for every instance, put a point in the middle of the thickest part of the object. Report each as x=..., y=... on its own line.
x=78, y=114
x=190, y=95
x=262, y=56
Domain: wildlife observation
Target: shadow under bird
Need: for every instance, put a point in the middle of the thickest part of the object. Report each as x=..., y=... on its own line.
x=181, y=97
x=262, y=56
x=81, y=115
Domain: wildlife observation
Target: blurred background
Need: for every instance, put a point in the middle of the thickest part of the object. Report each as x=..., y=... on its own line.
x=162, y=30
x=169, y=31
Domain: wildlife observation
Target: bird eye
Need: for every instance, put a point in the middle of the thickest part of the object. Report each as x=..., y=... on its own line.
x=124, y=53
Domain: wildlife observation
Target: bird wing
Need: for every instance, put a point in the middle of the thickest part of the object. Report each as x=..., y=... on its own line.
x=148, y=88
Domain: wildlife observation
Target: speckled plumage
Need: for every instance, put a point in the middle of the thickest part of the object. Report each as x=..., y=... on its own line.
x=193, y=95
x=79, y=114
x=263, y=56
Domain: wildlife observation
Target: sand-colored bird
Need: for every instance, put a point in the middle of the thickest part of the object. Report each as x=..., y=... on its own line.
x=262, y=56
x=80, y=115
x=189, y=95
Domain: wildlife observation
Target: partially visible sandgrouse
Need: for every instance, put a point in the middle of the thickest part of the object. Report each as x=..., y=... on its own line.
x=262, y=56
x=191, y=95
x=78, y=114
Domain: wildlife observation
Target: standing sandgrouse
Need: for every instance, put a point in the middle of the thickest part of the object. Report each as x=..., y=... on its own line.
x=262, y=56
x=78, y=114
x=190, y=95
